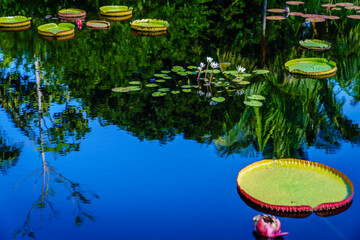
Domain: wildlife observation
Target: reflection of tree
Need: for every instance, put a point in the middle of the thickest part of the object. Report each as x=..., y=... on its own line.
x=9, y=153
x=47, y=173
x=296, y=114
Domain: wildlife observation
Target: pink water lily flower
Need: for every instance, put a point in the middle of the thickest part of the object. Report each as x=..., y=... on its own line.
x=267, y=226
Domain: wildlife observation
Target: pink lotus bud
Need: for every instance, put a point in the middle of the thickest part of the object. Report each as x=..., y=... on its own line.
x=79, y=23
x=267, y=226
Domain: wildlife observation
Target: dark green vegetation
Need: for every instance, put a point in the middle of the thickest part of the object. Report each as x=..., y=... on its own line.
x=295, y=114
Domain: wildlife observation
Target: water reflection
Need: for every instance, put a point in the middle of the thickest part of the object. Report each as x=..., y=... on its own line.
x=43, y=206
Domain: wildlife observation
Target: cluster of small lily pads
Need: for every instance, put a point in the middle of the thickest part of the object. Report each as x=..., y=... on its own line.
x=205, y=80
x=330, y=7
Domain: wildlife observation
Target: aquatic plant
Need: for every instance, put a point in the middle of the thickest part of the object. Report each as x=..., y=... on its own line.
x=213, y=65
x=267, y=226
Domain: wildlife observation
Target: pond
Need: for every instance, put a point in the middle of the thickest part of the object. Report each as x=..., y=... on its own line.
x=106, y=134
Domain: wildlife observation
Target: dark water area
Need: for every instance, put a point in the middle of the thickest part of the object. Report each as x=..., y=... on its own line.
x=81, y=161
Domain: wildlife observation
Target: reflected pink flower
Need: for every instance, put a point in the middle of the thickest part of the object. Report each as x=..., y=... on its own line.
x=267, y=226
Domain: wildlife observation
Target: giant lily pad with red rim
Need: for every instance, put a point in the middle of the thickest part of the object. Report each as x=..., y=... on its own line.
x=150, y=25
x=56, y=30
x=116, y=11
x=315, y=44
x=72, y=13
x=14, y=21
x=311, y=66
x=294, y=185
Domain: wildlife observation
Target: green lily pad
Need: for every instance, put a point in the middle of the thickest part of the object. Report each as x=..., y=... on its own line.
x=231, y=72
x=256, y=97
x=53, y=29
x=160, y=80
x=160, y=75
x=175, y=92
x=253, y=103
x=150, y=25
x=167, y=77
x=72, y=13
x=218, y=99
x=311, y=66
x=315, y=44
x=152, y=85
x=192, y=67
x=165, y=71
x=186, y=86
x=242, y=82
x=158, y=94
x=245, y=75
x=163, y=89
x=186, y=90
x=116, y=11
x=135, y=82
x=261, y=71
x=182, y=74
x=126, y=89
x=296, y=185
x=14, y=21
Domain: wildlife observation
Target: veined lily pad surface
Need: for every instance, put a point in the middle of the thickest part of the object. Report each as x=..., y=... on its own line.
x=294, y=185
x=72, y=13
x=15, y=21
x=116, y=11
x=53, y=29
x=311, y=66
x=150, y=25
x=315, y=44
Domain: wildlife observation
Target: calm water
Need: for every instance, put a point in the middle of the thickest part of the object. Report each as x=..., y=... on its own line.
x=80, y=161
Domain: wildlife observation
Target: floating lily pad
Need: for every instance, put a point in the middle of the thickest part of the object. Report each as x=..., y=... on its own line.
x=116, y=11
x=294, y=3
x=160, y=80
x=192, y=67
x=163, y=89
x=175, y=92
x=167, y=77
x=165, y=71
x=126, y=89
x=315, y=44
x=276, y=10
x=97, y=24
x=152, y=85
x=328, y=5
x=72, y=13
x=295, y=14
x=315, y=20
x=14, y=21
x=344, y=4
x=256, y=97
x=311, y=66
x=245, y=75
x=150, y=25
x=275, y=18
x=186, y=90
x=294, y=185
x=55, y=30
x=261, y=71
x=354, y=16
x=253, y=103
x=333, y=17
x=158, y=94
x=218, y=99
x=135, y=82
x=240, y=82
x=186, y=86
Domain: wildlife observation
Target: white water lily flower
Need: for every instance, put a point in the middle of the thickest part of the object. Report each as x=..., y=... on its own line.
x=241, y=69
x=214, y=65
x=209, y=59
x=199, y=68
x=202, y=65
